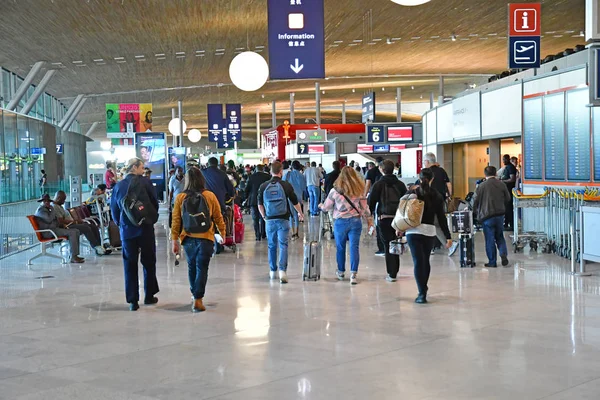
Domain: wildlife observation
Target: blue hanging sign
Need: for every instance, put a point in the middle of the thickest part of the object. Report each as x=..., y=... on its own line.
x=234, y=121
x=296, y=39
x=381, y=148
x=215, y=122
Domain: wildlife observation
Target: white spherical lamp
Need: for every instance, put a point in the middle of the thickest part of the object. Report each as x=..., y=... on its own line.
x=194, y=135
x=174, y=127
x=249, y=71
x=411, y=3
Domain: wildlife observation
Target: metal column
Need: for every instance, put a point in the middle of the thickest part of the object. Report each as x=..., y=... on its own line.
x=258, y=145
x=70, y=111
x=174, y=138
x=431, y=100
x=318, y=101
x=89, y=131
x=441, y=97
x=274, y=114
x=344, y=112
x=292, y=117
x=180, y=139
x=14, y=102
x=398, y=105
x=39, y=89
x=67, y=126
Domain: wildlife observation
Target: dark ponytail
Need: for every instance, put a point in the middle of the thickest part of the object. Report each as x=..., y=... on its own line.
x=426, y=176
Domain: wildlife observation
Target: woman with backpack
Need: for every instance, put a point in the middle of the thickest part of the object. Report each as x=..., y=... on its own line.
x=196, y=218
x=422, y=238
x=349, y=206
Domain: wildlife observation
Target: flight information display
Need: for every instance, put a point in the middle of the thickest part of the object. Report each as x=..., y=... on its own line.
x=532, y=138
x=554, y=137
x=596, y=144
x=578, y=136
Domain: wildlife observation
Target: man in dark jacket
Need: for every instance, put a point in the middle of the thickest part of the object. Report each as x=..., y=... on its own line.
x=138, y=241
x=383, y=202
x=218, y=182
x=489, y=205
x=331, y=177
x=254, y=182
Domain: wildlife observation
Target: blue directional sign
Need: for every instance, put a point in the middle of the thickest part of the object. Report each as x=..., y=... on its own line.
x=381, y=148
x=296, y=39
x=60, y=147
x=234, y=121
x=215, y=122
x=224, y=141
x=524, y=52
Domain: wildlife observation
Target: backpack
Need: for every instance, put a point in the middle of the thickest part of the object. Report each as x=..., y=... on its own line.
x=275, y=200
x=195, y=213
x=409, y=213
x=390, y=200
x=136, y=205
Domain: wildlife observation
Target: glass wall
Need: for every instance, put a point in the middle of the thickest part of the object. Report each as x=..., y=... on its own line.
x=47, y=108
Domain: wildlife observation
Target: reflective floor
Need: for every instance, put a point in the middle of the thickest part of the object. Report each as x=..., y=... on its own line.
x=529, y=331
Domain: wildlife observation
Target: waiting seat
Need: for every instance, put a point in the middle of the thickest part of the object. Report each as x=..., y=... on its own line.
x=44, y=242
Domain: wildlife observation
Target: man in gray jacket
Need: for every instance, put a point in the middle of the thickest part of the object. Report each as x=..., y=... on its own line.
x=489, y=205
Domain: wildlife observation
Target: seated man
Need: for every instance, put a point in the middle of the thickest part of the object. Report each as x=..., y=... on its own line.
x=47, y=219
x=91, y=232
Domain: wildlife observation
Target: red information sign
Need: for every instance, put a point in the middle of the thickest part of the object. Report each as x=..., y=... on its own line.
x=364, y=148
x=525, y=19
x=397, y=148
x=400, y=134
x=316, y=149
x=419, y=161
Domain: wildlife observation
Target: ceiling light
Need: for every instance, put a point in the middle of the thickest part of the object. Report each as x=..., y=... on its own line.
x=338, y=41
x=388, y=41
x=260, y=47
x=200, y=51
x=105, y=145
x=410, y=3
x=323, y=92
x=357, y=40
x=194, y=135
x=383, y=89
x=175, y=128
x=98, y=59
x=142, y=56
x=582, y=33
x=161, y=58
x=249, y=71
x=58, y=63
x=453, y=37
x=159, y=55
x=219, y=50
x=179, y=53
x=263, y=96
x=353, y=90
x=119, y=58
x=412, y=87
x=77, y=62
x=199, y=55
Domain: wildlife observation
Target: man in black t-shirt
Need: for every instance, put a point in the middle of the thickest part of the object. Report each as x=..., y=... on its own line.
x=509, y=177
x=374, y=175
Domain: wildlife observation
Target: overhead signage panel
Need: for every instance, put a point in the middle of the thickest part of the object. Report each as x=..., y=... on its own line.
x=376, y=134
x=368, y=108
x=400, y=134
x=302, y=149
x=314, y=135
x=234, y=121
x=525, y=19
x=381, y=148
x=215, y=122
x=525, y=28
x=524, y=52
x=316, y=149
x=397, y=148
x=364, y=148
x=296, y=39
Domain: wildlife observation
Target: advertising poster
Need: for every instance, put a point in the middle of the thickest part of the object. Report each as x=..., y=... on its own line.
x=150, y=147
x=177, y=157
x=124, y=120
x=270, y=146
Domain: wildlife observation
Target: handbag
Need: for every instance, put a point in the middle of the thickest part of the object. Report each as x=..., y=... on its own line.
x=409, y=213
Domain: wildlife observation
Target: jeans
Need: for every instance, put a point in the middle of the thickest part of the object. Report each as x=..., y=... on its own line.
x=294, y=220
x=198, y=253
x=143, y=247
x=420, y=248
x=347, y=229
x=277, y=237
x=392, y=261
x=259, y=223
x=493, y=231
x=313, y=195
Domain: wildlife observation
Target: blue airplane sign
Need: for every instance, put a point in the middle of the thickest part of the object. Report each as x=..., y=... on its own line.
x=296, y=39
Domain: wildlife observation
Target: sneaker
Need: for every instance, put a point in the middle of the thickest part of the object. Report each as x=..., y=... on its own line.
x=283, y=277
x=432, y=252
x=490, y=265
x=390, y=279
x=134, y=306
x=353, y=279
x=272, y=275
x=380, y=253
x=340, y=275
x=100, y=250
x=504, y=261
x=453, y=249
x=421, y=299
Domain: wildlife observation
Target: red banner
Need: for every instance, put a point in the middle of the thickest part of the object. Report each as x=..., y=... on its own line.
x=419, y=161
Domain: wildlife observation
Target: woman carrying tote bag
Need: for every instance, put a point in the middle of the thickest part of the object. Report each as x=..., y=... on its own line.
x=421, y=237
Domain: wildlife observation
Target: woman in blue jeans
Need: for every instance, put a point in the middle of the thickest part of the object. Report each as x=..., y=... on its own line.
x=199, y=247
x=422, y=238
x=349, y=207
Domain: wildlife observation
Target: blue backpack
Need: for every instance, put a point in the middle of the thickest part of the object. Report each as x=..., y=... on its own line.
x=275, y=200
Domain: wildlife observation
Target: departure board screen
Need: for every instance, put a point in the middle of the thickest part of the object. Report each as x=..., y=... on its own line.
x=554, y=137
x=532, y=138
x=578, y=136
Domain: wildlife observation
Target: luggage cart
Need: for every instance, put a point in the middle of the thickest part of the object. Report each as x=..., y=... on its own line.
x=104, y=218
x=327, y=223
x=530, y=226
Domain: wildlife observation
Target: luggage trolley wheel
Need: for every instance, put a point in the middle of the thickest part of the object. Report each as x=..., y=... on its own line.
x=517, y=247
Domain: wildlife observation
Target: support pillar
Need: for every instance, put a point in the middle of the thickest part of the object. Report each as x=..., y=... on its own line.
x=344, y=112
x=89, y=131
x=292, y=116
x=274, y=114
x=495, y=153
x=174, y=138
x=180, y=108
x=38, y=91
x=441, y=97
x=258, y=144
x=75, y=114
x=70, y=111
x=398, y=105
x=431, y=95
x=14, y=102
x=318, y=101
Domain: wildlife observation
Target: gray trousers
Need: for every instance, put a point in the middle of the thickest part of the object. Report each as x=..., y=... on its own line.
x=73, y=236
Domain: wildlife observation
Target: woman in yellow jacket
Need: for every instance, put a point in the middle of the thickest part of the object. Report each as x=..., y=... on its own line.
x=199, y=247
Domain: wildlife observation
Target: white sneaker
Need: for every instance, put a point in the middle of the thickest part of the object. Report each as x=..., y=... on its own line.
x=340, y=275
x=272, y=275
x=353, y=279
x=390, y=279
x=283, y=277
x=453, y=249
x=100, y=250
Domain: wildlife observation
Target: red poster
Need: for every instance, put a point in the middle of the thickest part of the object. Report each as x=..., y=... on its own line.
x=525, y=19
x=400, y=134
x=129, y=116
x=316, y=149
x=419, y=161
x=364, y=148
x=396, y=148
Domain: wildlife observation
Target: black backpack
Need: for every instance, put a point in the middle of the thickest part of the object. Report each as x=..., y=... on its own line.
x=137, y=206
x=390, y=199
x=196, y=213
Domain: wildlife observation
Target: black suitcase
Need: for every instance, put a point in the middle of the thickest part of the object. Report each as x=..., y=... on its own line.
x=466, y=244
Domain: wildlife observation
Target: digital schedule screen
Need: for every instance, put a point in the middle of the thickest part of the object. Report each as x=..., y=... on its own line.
x=532, y=138
x=578, y=136
x=554, y=137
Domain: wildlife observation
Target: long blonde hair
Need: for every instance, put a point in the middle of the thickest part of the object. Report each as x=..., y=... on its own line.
x=350, y=183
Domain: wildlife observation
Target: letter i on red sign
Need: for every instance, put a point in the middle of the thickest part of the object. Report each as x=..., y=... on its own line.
x=525, y=19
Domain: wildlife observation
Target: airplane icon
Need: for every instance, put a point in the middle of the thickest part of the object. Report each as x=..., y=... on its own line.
x=525, y=52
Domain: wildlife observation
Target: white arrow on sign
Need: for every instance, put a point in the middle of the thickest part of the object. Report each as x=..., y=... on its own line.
x=226, y=144
x=297, y=68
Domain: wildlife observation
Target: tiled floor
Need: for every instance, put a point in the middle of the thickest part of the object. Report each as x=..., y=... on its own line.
x=530, y=331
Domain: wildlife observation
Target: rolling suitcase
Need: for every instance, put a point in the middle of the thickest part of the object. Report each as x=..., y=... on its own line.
x=466, y=245
x=311, y=270
x=114, y=236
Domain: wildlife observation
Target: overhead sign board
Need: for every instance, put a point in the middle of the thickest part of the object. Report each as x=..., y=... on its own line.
x=525, y=28
x=397, y=148
x=368, y=108
x=215, y=121
x=381, y=148
x=234, y=121
x=219, y=130
x=593, y=74
x=375, y=134
x=296, y=39
x=400, y=134
x=364, y=148
x=302, y=149
x=316, y=149
x=314, y=135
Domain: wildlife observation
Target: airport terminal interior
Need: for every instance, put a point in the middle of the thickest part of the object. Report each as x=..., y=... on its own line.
x=299, y=199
